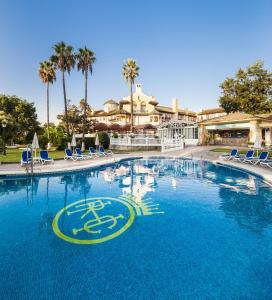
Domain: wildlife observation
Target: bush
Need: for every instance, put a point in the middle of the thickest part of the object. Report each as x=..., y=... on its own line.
x=63, y=143
x=89, y=142
x=43, y=141
x=104, y=139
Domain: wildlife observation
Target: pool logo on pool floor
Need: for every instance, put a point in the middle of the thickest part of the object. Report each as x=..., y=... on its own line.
x=97, y=220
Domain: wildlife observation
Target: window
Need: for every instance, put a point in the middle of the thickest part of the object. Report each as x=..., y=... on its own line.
x=143, y=107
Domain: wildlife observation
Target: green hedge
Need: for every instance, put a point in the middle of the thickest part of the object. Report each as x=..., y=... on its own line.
x=104, y=139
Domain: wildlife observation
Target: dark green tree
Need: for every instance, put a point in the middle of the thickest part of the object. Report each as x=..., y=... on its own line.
x=130, y=72
x=250, y=91
x=64, y=60
x=85, y=60
x=47, y=74
x=24, y=118
x=74, y=118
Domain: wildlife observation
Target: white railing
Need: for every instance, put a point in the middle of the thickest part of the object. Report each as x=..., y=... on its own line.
x=136, y=140
x=148, y=140
x=192, y=142
x=168, y=145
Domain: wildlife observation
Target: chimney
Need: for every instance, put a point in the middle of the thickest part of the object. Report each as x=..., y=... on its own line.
x=175, y=107
x=138, y=88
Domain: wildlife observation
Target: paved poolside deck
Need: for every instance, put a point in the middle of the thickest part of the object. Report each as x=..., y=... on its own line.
x=197, y=152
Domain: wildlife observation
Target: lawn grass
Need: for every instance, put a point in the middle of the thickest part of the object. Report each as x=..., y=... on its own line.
x=241, y=151
x=227, y=150
x=14, y=155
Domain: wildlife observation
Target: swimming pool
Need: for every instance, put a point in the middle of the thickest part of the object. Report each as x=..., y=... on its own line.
x=142, y=229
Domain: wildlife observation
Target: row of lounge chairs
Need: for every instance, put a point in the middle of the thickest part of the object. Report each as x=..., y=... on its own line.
x=27, y=157
x=44, y=156
x=249, y=157
x=92, y=153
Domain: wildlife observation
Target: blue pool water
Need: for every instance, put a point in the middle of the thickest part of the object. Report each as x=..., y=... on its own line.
x=143, y=229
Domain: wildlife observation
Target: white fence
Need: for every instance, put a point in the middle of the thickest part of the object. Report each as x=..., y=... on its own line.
x=166, y=145
x=136, y=140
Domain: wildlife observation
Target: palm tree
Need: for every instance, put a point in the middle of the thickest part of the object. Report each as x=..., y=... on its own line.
x=47, y=74
x=85, y=59
x=64, y=60
x=130, y=72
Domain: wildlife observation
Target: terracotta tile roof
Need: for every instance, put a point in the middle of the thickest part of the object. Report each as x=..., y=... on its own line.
x=212, y=111
x=118, y=112
x=186, y=112
x=165, y=109
x=155, y=112
x=110, y=101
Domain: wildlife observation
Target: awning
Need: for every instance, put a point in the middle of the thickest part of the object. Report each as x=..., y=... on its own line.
x=229, y=126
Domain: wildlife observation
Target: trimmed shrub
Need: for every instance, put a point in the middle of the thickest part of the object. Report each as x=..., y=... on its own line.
x=89, y=142
x=104, y=139
x=63, y=143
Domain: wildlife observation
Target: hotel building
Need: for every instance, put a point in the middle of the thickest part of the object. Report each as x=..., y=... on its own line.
x=146, y=111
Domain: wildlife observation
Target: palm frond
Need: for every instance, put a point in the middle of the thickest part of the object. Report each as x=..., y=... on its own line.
x=130, y=70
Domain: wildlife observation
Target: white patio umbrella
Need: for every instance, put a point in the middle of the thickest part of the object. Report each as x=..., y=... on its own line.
x=258, y=143
x=73, y=142
x=35, y=143
x=96, y=140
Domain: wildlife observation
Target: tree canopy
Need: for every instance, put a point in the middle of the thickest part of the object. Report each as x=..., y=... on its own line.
x=21, y=116
x=250, y=91
x=130, y=70
x=75, y=116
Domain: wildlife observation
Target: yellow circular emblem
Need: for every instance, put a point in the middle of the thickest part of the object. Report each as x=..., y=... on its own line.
x=93, y=220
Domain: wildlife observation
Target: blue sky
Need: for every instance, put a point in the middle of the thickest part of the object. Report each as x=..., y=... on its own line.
x=185, y=49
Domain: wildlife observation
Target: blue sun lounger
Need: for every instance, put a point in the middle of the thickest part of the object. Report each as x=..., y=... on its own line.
x=26, y=158
x=70, y=155
x=255, y=160
x=102, y=152
x=92, y=152
x=80, y=155
x=44, y=157
x=241, y=158
x=266, y=163
x=231, y=155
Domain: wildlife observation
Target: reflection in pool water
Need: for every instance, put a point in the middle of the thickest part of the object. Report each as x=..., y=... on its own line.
x=213, y=240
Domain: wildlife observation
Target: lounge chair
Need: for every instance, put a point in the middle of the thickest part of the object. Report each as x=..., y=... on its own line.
x=231, y=155
x=70, y=155
x=44, y=157
x=93, y=152
x=26, y=158
x=266, y=163
x=255, y=160
x=80, y=155
x=102, y=152
x=242, y=158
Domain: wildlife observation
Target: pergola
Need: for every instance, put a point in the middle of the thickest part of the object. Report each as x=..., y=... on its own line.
x=176, y=129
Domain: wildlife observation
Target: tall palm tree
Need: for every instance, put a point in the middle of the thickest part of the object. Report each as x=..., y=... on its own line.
x=47, y=74
x=64, y=60
x=130, y=72
x=85, y=59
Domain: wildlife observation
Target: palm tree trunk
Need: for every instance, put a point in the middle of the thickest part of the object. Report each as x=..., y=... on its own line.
x=47, y=107
x=65, y=106
x=131, y=109
x=84, y=112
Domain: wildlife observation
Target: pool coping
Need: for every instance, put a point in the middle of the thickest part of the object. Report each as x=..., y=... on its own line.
x=70, y=169
x=262, y=173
